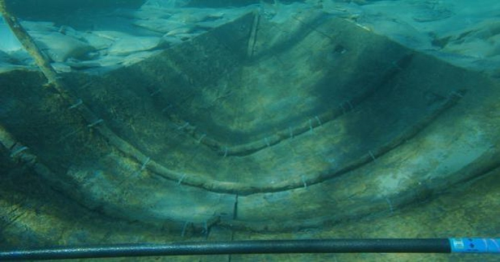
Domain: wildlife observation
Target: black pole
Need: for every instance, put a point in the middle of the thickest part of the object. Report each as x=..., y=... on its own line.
x=236, y=247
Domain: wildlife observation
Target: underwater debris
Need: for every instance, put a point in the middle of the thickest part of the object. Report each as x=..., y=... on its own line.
x=18, y=151
x=78, y=103
x=179, y=182
x=145, y=163
x=95, y=123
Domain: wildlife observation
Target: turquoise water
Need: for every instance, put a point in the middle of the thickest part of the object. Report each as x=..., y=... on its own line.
x=154, y=121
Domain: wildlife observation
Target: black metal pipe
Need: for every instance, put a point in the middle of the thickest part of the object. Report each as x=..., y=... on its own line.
x=441, y=245
x=236, y=247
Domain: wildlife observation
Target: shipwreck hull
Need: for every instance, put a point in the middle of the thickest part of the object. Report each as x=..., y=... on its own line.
x=253, y=125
